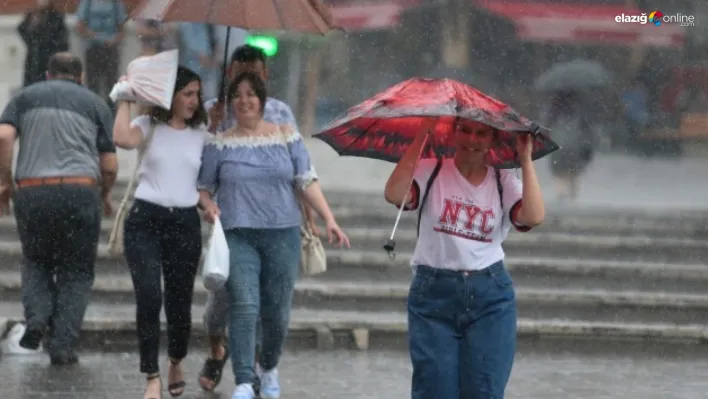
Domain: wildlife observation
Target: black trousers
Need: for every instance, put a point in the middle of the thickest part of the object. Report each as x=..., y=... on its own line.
x=58, y=227
x=162, y=241
x=102, y=63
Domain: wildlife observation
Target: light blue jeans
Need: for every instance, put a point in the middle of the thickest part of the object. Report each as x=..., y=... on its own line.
x=264, y=266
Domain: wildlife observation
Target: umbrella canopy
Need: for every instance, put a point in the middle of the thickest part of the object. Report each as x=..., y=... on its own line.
x=10, y=7
x=574, y=75
x=384, y=126
x=305, y=16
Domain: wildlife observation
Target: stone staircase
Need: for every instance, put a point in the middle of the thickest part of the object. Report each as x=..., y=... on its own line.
x=597, y=274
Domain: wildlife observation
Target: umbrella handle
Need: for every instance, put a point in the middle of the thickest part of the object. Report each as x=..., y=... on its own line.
x=222, y=84
x=390, y=245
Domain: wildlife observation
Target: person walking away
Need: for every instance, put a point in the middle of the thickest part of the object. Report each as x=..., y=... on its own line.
x=100, y=22
x=163, y=235
x=461, y=304
x=261, y=170
x=155, y=36
x=636, y=115
x=244, y=59
x=44, y=33
x=196, y=53
x=66, y=168
x=573, y=131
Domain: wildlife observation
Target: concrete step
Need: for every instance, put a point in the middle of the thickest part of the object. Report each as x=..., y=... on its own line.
x=383, y=219
x=355, y=209
x=537, y=303
x=112, y=328
x=9, y=233
x=361, y=223
x=533, y=272
x=355, y=218
x=561, y=245
x=364, y=199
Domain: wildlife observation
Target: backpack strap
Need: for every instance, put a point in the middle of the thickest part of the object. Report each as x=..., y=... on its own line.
x=500, y=189
x=434, y=175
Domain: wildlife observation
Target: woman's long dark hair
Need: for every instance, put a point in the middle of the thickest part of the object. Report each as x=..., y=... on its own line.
x=185, y=76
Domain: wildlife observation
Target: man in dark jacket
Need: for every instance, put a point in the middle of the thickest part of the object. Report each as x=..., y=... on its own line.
x=44, y=33
x=66, y=168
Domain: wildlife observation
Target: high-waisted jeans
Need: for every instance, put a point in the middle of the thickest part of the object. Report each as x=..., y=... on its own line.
x=462, y=332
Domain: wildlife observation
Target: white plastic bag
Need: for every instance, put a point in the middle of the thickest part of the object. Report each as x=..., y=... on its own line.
x=150, y=80
x=215, y=270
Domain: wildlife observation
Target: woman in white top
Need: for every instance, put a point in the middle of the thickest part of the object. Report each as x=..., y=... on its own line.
x=461, y=305
x=163, y=229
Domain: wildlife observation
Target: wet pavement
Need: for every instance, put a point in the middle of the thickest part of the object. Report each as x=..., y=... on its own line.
x=538, y=373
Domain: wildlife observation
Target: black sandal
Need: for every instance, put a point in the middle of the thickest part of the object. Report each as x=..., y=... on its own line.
x=153, y=377
x=176, y=388
x=214, y=369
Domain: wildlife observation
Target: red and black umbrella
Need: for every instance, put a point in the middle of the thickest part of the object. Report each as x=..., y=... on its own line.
x=383, y=126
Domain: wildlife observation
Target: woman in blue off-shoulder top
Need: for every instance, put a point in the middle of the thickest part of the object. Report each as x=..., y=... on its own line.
x=258, y=172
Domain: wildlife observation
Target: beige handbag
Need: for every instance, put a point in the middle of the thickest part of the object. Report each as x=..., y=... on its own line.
x=313, y=259
x=115, y=240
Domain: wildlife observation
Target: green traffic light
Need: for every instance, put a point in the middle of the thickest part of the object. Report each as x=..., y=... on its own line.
x=268, y=44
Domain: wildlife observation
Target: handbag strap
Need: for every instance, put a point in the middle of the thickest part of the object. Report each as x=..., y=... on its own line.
x=500, y=190
x=305, y=227
x=141, y=154
x=428, y=186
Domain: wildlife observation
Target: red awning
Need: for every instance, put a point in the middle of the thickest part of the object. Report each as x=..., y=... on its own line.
x=578, y=23
x=368, y=16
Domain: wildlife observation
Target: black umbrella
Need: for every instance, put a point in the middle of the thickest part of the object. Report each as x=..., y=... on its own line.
x=574, y=75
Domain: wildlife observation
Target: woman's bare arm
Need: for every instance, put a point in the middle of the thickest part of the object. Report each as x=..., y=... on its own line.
x=125, y=136
x=398, y=184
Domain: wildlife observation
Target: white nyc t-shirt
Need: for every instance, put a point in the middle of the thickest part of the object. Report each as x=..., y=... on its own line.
x=461, y=227
x=170, y=167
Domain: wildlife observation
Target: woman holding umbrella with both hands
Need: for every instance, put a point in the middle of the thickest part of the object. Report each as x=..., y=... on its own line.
x=461, y=305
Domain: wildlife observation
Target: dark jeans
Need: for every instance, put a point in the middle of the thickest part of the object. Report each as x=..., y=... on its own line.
x=462, y=332
x=59, y=228
x=159, y=241
x=102, y=69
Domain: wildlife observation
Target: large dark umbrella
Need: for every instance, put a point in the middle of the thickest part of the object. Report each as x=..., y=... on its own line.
x=574, y=75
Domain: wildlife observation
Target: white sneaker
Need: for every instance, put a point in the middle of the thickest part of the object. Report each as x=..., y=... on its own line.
x=270, y=387
x=244, y=391
x=11, y=344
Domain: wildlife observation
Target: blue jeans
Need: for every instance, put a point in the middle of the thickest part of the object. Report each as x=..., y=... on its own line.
x=264, y=266
x=462, y=332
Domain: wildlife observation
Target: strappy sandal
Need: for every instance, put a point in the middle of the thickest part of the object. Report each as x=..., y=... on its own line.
x=213, y=370
x=153, y=377
x=176, y=388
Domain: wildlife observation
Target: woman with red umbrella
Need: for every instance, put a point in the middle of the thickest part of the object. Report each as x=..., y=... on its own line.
x=461, y=305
